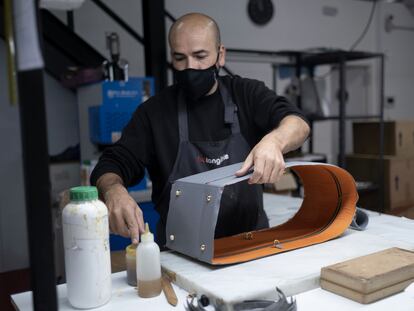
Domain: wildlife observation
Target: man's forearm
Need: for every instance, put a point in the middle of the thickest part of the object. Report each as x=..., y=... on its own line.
x=107, y=182
x=291, y=133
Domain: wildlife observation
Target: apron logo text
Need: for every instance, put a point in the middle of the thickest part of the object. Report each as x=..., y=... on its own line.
x=216, y=161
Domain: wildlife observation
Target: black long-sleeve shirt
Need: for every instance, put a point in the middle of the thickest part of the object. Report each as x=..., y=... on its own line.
x=151, y=139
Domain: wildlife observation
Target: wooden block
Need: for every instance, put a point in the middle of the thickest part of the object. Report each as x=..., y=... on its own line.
x=365, y=298
x=373, y=276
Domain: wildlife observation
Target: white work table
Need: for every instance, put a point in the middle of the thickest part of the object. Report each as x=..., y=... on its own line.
x=295, y=272
x=125, y=298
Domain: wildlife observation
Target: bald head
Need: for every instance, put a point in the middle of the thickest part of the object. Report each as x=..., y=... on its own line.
x=195, y=43
x=194, y=22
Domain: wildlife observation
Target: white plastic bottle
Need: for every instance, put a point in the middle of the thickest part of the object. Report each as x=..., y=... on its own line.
x=148, y=266
x=87, y=254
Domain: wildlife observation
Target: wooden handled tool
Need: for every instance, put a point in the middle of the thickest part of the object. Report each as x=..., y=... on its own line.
x=169, y=290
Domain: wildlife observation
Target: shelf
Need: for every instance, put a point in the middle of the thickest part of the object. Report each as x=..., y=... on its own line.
x=334, y=57
x=366, y=186
x=307, y=157
x=312, y=57
x=258, y=56
x=356, y=117
x=316, y=57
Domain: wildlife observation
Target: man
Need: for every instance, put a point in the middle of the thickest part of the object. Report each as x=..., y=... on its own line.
x=201, y=122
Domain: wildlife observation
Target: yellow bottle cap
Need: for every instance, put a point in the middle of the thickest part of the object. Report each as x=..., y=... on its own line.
x=147, y=236
x=131, y=250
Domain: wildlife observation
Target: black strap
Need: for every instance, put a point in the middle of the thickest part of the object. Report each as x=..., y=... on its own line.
x=230, y=112
x=182, y=116
x=230, y=109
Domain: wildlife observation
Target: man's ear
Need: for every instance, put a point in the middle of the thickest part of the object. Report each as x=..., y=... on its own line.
x=222, y=55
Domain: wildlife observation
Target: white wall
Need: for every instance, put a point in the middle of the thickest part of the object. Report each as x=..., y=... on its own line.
x=399, y=71
x=297, y=24
x=13, y=238
x=62, y=116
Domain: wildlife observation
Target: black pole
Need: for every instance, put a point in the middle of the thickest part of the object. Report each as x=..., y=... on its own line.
x=274, y=76
x=154, y=42
x=342, y=111
x=311, y=121
x=70, y=20
x=37, y=188
x=381, y=183
x=37, y=184
x=298, y=74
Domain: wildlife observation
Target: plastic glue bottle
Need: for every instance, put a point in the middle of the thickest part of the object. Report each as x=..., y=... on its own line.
x=148, y=266
x=86, y=243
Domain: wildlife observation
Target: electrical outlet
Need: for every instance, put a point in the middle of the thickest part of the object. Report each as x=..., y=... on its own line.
x=389, y=102
x=328, y=10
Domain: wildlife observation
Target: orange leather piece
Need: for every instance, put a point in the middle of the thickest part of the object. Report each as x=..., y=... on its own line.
x=327, y=210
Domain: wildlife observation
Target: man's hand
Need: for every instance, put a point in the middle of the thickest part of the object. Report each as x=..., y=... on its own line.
x=267, y=156
x=267, y=159
x=125, y=216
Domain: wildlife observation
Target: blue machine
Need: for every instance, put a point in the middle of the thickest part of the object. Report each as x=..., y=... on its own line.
x=119, y=101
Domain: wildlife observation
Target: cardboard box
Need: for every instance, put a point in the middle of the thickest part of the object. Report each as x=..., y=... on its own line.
x=372, y=277
x=398, y=138
x=398, y=180
x=407, y=212
x=285, y=185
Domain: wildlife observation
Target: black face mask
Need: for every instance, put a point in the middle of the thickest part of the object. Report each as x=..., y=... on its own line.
x=196, y=82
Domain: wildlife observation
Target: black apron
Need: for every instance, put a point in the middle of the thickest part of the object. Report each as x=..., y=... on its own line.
x=241, y=207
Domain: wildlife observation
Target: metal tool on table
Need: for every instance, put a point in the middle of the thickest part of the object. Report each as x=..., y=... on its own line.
x=281, y=304
x=193, y=303
x=360, y=220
